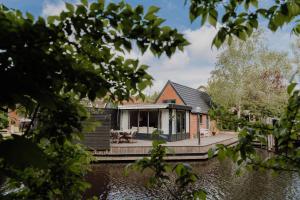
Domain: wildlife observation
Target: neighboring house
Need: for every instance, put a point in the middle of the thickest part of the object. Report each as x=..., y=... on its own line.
x=179, y=113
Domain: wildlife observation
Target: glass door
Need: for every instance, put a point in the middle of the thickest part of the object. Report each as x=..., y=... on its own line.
x=180, y=124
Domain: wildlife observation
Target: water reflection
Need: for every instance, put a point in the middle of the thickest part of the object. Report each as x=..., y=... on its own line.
x=217, y=178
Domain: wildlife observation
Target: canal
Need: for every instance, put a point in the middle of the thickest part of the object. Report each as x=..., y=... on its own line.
x=217, y=178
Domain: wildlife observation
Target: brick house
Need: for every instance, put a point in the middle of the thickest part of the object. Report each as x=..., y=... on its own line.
x=179, y=112
x=183, y=95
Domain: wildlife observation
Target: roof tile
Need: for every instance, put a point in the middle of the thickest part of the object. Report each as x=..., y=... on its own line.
x=198, y=100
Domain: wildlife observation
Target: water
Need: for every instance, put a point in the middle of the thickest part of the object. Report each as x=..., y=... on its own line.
x=217, y=178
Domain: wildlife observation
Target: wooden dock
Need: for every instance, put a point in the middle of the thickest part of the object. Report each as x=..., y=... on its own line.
x=180, y=150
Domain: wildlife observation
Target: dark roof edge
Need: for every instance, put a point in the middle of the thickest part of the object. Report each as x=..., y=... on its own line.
x=184, y=86
x=193, y=112
x=178, y=106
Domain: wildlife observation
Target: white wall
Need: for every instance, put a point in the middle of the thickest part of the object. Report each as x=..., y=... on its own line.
x=124, y=120
x=187, y=121
x=173, y=121
x=165, y=121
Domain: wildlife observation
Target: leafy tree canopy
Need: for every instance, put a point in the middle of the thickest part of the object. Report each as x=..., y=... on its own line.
x=48, y=66
x=250, y=77
x=239, y=18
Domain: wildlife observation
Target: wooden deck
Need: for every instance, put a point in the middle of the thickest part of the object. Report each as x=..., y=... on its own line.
x=180, y=150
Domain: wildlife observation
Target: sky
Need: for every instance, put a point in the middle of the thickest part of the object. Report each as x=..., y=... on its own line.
x=191, y=67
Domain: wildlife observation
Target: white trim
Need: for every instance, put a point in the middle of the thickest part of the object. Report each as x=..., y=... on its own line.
x=142, y=106
x=165, y=121
x=187, y=121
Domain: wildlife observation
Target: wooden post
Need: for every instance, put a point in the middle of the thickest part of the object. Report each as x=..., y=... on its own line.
x=138, y=118
x=129, y=119
x=198, y=128
x=118, y=119
x=158, y=119
x=148, y=122
x=270, y=143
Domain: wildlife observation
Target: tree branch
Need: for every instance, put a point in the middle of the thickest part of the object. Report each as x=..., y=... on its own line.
x=32, y=119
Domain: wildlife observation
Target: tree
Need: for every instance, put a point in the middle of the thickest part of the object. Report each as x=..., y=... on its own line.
x=239, y=18
x=3, y=119
x=152, y=97
x=249, y=76
x=50, y=66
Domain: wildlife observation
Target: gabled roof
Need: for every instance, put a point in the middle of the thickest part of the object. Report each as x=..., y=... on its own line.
x=198, y=100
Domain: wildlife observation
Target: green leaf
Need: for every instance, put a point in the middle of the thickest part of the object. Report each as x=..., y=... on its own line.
x=84, y=2
x=97, y=6
x=221, y=154
x=242, y=35
x=199, y=195
x=29, y=16
x=102, y=3
x=179, y=168
x=81, y=10
x=158, y=22
x=51, y=19
x=278, y=19
x=192, y=17
x=213, y=17
x=152, y=10
x=254, y=3
x=210, y=153
x=203, y=17
x=291, y=87
x=70, y=7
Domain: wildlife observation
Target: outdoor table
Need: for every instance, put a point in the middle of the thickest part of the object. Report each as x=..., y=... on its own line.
x=119, y=134
x=125, y=134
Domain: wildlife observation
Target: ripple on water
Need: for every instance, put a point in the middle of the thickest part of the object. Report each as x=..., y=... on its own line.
x=217, y=178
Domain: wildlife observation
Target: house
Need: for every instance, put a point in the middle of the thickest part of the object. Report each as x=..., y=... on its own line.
x=178, y=113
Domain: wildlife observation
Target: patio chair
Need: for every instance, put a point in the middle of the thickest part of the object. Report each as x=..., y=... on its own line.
x=131, y=135
x=112, y=135
x=115, y=136
x=204, y=132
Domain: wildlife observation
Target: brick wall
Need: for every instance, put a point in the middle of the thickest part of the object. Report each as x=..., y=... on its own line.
x=193, y=125
x=13, y=118
x=169, y=93
x=204, y=121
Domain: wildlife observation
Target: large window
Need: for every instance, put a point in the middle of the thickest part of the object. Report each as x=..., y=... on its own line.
x=147, y=121
x=143, y=118
x=153, y=119
x=133, y=120
x=200, y=119
x=180, y=122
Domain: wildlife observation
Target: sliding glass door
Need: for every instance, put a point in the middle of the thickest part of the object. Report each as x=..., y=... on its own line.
x=145, y=121
x=180, y=123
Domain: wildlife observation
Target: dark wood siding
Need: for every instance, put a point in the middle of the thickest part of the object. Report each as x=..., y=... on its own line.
x=99, y=139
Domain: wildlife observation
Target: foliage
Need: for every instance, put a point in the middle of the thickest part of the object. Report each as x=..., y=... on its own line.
x=63, y=178
x=250, y=79
x=3, y=119
x=54, y=64
x=151, y=98
x=286, y=155
x=239, y=18
x=163, y=172
x=226, y=120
